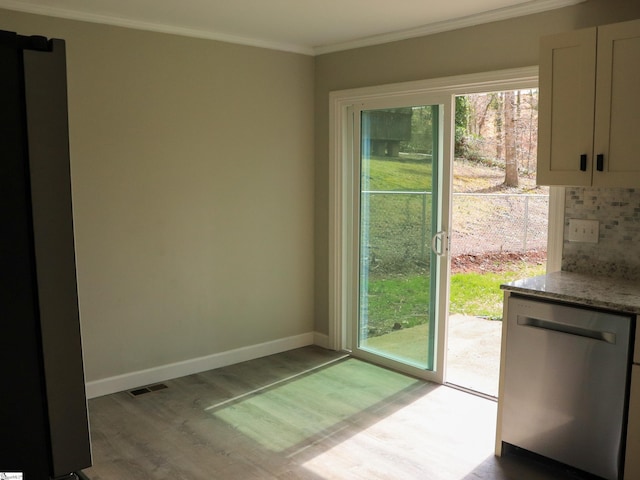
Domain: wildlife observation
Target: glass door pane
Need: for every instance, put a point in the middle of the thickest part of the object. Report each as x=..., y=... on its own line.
x=399, y=157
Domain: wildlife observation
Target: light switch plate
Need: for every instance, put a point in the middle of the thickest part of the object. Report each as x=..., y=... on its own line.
x=585, y=231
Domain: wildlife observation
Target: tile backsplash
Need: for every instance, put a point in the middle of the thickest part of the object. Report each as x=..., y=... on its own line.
x=617, y=253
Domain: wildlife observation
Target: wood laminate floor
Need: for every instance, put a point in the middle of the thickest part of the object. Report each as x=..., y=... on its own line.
x=306, y=414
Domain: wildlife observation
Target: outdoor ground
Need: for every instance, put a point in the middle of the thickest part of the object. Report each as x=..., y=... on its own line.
x=497, y=262
x=473, y=350
x=470, y=176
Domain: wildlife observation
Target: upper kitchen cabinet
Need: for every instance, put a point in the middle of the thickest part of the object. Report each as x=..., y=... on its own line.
x=589, y=127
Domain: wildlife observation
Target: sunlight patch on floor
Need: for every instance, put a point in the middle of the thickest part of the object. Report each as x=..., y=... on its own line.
x=288, y=415
x=451, y=420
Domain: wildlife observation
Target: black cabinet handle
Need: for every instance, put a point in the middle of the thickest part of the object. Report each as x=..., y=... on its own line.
x=583, y=162
x=600, y=162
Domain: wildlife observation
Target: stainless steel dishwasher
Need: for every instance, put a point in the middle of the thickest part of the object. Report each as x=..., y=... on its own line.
x=566, y=383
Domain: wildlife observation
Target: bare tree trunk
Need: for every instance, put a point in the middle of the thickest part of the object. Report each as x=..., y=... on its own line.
x=510, y=135
x=482, y=117
x=499, y=125
x=533, y=124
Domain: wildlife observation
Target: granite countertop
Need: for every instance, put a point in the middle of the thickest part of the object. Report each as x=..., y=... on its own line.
x=589, y=290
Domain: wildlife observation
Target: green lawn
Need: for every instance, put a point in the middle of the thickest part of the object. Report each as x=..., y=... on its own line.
x=403, y=174
x=404, y=300
x=479, y=294
x=401, y=300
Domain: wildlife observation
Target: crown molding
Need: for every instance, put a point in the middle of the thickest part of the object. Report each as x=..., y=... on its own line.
x=528, y=8
x=152, y=27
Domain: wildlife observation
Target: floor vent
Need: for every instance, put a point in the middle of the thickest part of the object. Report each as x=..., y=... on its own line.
x=151, y=388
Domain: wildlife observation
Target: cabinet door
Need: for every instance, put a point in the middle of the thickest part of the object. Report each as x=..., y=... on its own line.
x=632, y=457
x=617, y=114
x=567, y=99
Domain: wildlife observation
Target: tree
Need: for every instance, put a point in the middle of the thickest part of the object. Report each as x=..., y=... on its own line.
x=500, y=126
x=462, y=124
x=499, y=107
x=511, y=108
x=482, y=105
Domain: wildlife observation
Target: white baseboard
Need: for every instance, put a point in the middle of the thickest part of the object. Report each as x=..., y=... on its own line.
x=128, y=381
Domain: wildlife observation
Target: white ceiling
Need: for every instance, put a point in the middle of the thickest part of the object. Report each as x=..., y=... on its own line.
x=302, y=26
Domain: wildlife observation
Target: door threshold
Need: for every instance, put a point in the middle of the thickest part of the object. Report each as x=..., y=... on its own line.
x=471, y=391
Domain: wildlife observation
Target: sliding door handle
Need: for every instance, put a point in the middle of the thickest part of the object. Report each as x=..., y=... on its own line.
x=443, y=239
x=600, y=162
x=583, y=162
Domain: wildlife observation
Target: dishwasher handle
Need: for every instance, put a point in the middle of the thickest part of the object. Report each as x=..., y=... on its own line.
x=608, y=337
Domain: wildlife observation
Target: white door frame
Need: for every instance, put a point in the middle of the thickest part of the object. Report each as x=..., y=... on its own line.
x=341, y=175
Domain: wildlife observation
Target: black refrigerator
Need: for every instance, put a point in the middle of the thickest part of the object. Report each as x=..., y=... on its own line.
x=44, y=429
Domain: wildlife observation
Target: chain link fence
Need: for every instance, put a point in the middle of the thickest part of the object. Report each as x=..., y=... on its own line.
x=493, y=223
x=397, y=229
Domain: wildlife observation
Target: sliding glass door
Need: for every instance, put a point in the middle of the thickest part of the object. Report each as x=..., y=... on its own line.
x=391, y=163
x=399, y=243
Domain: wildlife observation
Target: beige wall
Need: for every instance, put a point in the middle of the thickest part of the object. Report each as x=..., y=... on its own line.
x=192, y=177
x=495, y=46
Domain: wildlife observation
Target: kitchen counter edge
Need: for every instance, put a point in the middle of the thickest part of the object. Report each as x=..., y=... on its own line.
x=582, y=289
